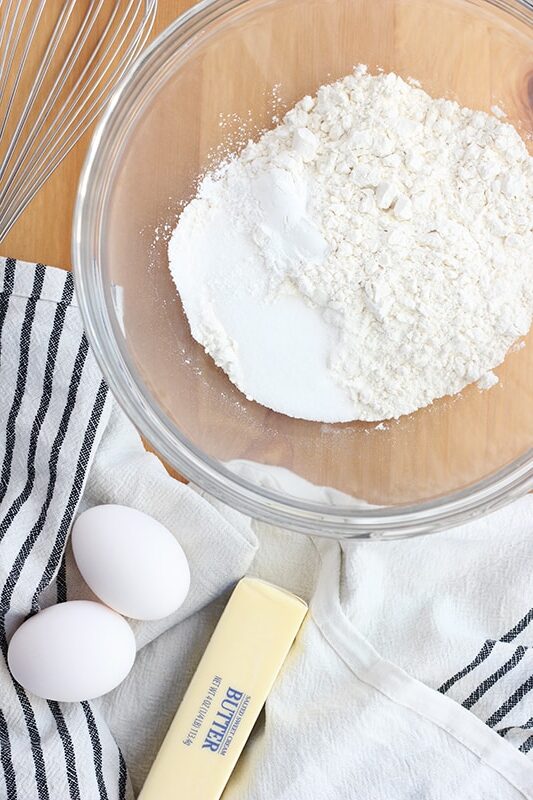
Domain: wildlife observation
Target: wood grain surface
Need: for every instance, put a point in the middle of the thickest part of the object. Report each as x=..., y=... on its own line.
x=464, y=50
x=43, y=231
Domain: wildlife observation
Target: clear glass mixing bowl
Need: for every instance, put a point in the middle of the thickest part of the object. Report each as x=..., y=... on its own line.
x=214, y=77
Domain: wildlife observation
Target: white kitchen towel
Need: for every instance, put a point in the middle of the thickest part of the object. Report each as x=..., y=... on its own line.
x=385, y=730
x=356, y=714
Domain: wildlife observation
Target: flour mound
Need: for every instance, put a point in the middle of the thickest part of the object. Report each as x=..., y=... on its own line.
x=370, y=254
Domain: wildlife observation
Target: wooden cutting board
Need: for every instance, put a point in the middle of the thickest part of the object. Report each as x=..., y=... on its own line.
x=43, y=232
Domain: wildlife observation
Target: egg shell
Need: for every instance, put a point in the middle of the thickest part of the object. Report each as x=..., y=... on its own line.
x=72, y=651
x=130, y=561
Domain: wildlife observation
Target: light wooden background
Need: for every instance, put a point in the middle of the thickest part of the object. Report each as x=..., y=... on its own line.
x=43, y=232
x=436, y=450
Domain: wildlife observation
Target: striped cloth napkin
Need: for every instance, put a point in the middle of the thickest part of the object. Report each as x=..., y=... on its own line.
x=55, y=415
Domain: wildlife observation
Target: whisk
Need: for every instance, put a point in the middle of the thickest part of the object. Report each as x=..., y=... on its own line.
x=58, y=63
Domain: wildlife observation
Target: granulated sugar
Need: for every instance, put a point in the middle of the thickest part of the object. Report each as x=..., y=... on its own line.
x=370, y=254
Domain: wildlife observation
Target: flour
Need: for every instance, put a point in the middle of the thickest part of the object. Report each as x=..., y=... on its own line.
x=368, y=255
x=488, y=380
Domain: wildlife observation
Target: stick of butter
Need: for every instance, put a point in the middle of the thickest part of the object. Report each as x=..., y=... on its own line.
x=226, y=694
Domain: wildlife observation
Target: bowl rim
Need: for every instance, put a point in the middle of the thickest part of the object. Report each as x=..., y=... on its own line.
x=103, y=333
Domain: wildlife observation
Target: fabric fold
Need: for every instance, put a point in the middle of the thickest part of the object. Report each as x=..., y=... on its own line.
x=411, y=677
x=64, y=446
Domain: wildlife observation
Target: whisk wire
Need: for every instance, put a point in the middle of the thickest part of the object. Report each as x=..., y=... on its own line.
x=9, y=52
x=3, y=25
x=39, y=78
x=71, y=111
x=55, y=155
x=53, y=119
x=55, y=91
x=20, y=70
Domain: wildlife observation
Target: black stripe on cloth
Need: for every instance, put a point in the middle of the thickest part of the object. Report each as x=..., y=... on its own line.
x=20, y=560
x=485, y=685
x=37, y=753
x=68, y=749
x=509, y=704
x=526, y=746
x=25, y=550
x=97, y=749
x=68, y=288
x=484, y=653
x=525, y=726
x=518, y=628
x=58, y=554
x=9, y=282
x=61, y=581
x=46, y=396
x=75, y=492
x=122, y=776
x=35, y=742
x=6, y=760
x=25, y=339
x=9, y=276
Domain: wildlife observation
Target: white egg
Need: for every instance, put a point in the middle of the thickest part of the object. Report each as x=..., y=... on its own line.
x=73, y=651
x=130, y=561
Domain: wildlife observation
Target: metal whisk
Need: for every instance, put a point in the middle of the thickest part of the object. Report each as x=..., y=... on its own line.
x=58, y=63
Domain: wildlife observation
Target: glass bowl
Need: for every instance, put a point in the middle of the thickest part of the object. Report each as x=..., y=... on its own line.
x=216, y=76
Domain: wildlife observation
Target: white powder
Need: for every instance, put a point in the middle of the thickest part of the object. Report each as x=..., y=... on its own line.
x=488, y=380
x=368, y=255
